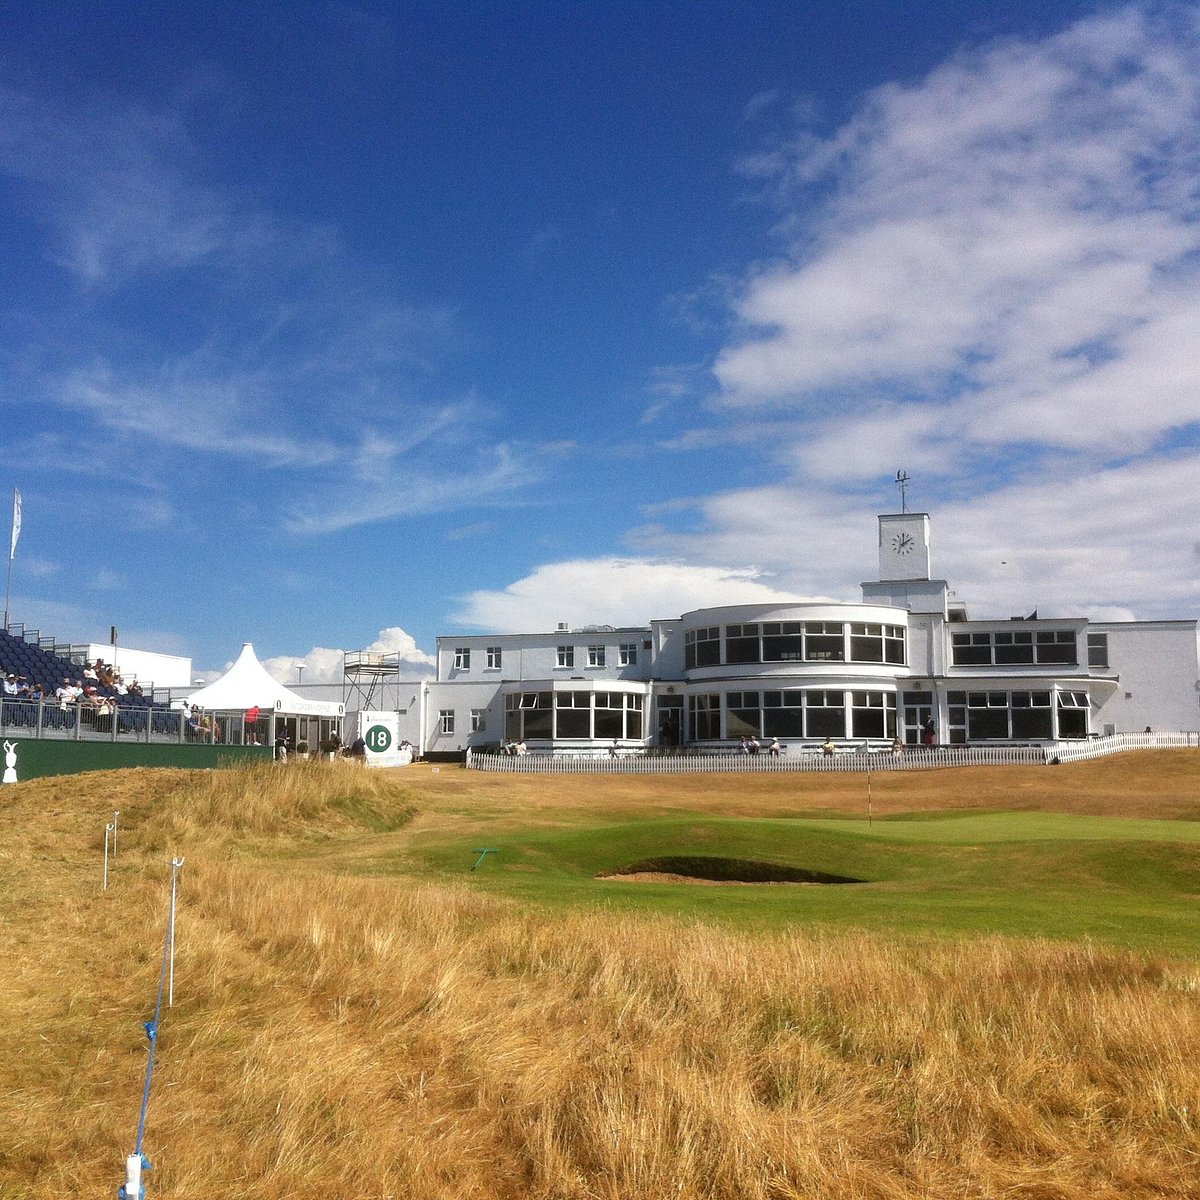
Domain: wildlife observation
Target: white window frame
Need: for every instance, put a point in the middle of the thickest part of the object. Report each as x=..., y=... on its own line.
x=446, y=720
x=596, y=656
x=565, y=657
x=478, y=720
x=627, y=654
x=495, y=656
x=462, y=658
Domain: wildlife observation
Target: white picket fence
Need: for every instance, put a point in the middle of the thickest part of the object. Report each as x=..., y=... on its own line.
x=913, y=759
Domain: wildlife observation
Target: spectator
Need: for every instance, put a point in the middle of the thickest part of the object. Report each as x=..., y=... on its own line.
x=828, y=747
x=774, y=749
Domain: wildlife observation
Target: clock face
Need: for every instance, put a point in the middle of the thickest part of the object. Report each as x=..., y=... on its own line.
x=903, y=543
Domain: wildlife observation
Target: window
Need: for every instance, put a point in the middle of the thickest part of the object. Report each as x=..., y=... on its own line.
x=704, y=717
x=1013, y=646
x=743, y=714
x=618, y=715
x=873, y=714
x=972, y=649
x=1097, y=647
x=783, y=714
x=566, y=657
x=824, y=714
x=1072, y=714
x=823, y=642
x=741, y=644
x=573, y=714
x=877, y=643
x=1016, y=647
x=783, y=641
x=627, y=654
x=595, y=656
x=987, y=716
x=528, y=715
x=1055, y=645
x=462, y=658
x=1031, y=716
x=702, y=647
x=495, y=656
x=446, y=717
x=478, y=720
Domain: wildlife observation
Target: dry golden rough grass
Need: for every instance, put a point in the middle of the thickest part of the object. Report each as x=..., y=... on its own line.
x=1143, y=784
x=382, y=1039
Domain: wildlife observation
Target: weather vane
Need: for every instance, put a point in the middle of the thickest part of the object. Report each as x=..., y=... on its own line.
x=902, y=484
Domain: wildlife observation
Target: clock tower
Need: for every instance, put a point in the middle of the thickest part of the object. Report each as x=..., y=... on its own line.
x=904, y=546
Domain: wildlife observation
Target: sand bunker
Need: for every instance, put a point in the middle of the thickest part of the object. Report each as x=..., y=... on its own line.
x=717, y=871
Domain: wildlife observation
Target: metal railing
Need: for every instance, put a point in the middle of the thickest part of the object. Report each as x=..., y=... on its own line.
x=112, y=722
x=913, y=758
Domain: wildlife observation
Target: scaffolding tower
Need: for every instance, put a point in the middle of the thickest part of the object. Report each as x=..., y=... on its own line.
x=370, y=680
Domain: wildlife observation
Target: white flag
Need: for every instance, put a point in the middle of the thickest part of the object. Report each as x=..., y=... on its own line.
x=16, y=533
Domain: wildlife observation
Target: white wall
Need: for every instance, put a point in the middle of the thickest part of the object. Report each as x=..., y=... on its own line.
x=1158, y=665
x=162, y=670
x=535, y=655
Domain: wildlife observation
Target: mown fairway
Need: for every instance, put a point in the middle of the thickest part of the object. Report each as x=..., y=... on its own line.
x=1062, y=853
x=1010, y=1006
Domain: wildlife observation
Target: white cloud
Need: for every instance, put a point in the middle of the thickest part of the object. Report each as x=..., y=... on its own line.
x=611, y=591
x=324, y=664
x=1010, y=248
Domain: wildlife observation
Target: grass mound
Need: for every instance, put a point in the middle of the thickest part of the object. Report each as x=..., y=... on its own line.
x=730, y=870
x=270, y=801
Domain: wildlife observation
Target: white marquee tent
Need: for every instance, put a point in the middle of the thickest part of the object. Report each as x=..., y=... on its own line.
x=248, y=685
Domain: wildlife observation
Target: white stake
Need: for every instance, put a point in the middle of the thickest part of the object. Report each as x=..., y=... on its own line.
x=109, y=829
x=116, y=814
x=176, y=863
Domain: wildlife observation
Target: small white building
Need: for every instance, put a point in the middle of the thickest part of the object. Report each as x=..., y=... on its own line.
x=905, y=662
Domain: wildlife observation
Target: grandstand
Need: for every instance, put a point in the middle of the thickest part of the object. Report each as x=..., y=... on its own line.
x=108, y=714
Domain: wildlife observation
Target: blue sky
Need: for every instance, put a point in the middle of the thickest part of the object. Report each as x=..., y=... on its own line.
x=331, y=326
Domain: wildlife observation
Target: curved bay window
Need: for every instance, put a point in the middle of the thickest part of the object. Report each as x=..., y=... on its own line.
x=794, y=641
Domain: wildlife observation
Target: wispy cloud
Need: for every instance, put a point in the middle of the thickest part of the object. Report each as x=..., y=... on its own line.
x=1011, y=244
x=293, y=358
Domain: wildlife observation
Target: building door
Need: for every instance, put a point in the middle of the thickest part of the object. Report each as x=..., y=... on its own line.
x=918, y=708
x=670, y=720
